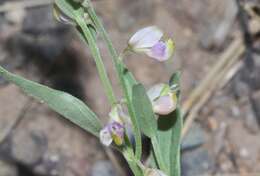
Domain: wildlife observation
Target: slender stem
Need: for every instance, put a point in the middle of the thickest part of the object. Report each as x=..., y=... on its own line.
x=158, y=154
x=136, y=129
x=117, y=61
x=99, y=63
x=101, y=28
x=131, y=160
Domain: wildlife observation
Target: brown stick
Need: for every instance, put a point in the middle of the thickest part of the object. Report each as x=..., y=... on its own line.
x=213, y=80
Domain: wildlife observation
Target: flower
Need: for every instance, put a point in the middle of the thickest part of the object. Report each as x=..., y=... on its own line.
x=148, y=41
x=153, y=172
x=112, y=132
x=164, y=100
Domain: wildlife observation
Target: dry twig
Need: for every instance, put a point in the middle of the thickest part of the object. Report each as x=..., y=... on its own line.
x=214, y=80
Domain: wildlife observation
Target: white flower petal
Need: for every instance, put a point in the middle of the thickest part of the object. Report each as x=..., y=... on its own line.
x=155, y=91
x=105, y=137
x=145, y=38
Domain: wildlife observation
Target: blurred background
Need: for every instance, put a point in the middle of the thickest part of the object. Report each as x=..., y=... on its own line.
x=217, y=51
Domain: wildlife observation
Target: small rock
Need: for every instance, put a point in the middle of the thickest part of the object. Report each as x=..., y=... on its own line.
x=196, y=162
x=194, y=138
x=250, y=120
x=28, y=147
x=7, y=169
x=104, y=168
x=52, y=164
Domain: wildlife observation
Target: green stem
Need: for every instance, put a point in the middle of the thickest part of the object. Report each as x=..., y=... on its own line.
x=99, y=63
x=131, y=160
x=158, y=154
x=119, y=70
x=136, y=129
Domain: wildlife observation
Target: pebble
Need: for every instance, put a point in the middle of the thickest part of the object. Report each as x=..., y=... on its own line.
x=194, y=138
x=104, y=168
x=196, y=162
x=28, y=147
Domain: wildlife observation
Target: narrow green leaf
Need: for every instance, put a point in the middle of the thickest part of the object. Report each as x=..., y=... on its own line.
x=146, y=118
x=175, y=78
x=68, y=7
x=65, y=104
x=175, y=152
x=174, y=82
x=144, y=111
x=169, y=134
x=128, y=154
x=128, y=79
x=127, y=82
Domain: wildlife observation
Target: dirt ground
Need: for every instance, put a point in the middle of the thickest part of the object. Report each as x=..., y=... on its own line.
x=33, y=45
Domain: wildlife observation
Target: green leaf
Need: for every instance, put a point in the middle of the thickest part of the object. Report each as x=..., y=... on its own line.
x=175, y=78
x=174, y=82
x=175, y=151
x=65, y=104
x=127, y=82
x=128, y=78
x=169, y=134
x=146, y=118
x=144, y=111
x=68, y=7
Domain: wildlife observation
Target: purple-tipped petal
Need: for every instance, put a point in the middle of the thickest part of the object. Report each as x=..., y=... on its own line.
x=158, y=51
x=117, y=131
x=145, y=38
x=161, y=51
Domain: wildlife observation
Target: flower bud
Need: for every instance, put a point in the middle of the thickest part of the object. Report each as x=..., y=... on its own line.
x=165, y=104
x=153, y=172
x=148, y=41
x=117, y=114
x=163, y=99
x=61, y=17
